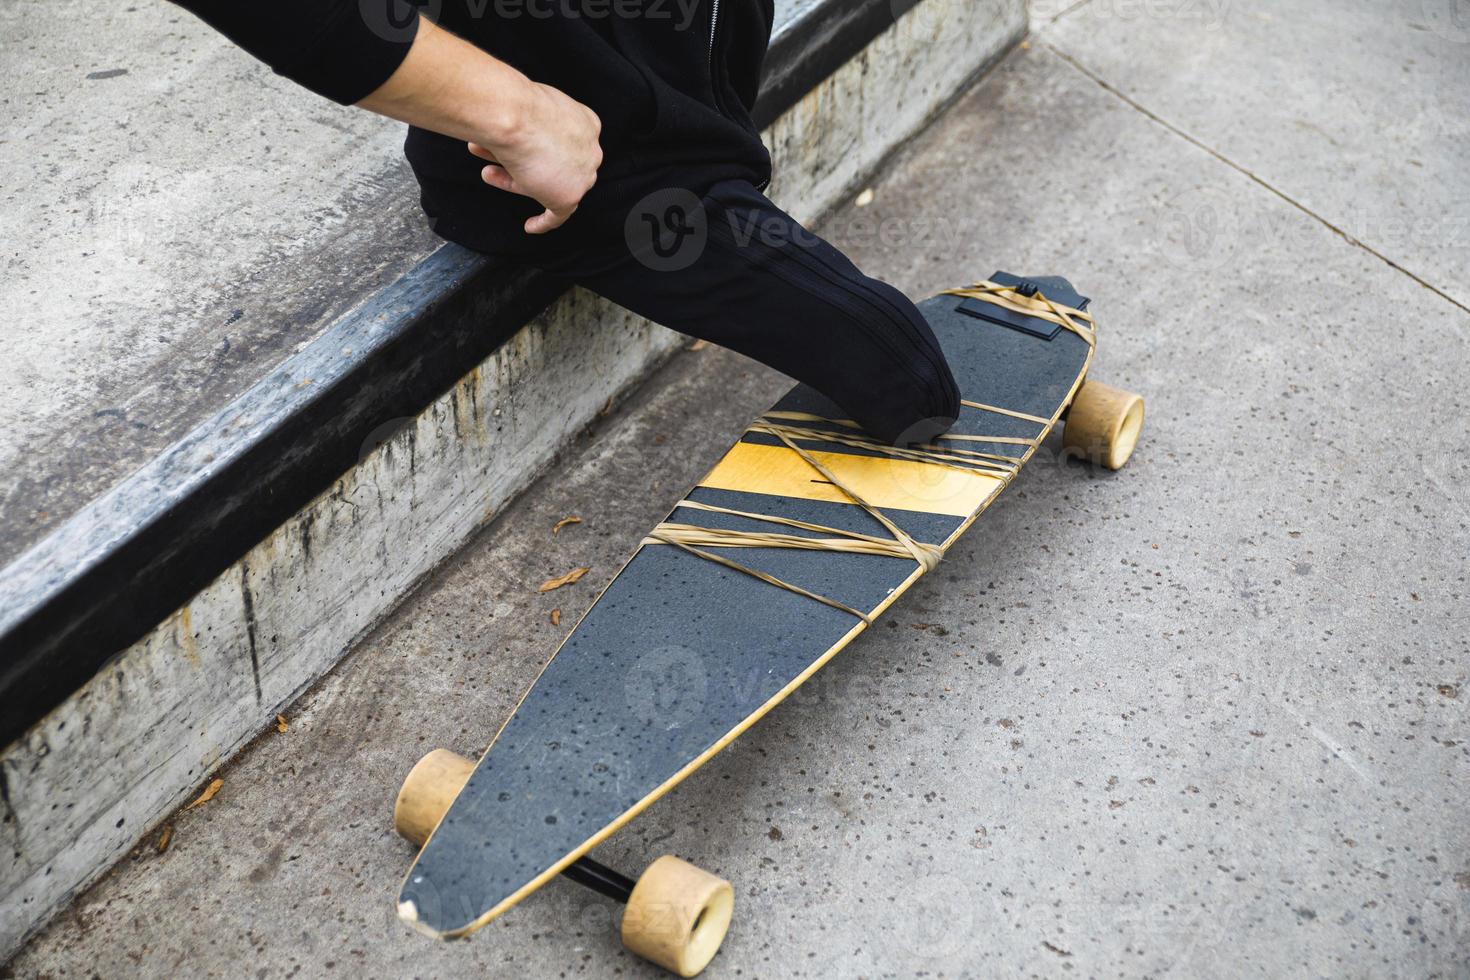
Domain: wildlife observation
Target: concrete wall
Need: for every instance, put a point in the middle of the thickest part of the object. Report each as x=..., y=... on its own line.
x=84, y=785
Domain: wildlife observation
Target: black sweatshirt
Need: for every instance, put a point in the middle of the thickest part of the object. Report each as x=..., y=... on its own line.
x=672, y=80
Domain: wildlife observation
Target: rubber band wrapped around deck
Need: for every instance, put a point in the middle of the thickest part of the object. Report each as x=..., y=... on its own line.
x=694, y=539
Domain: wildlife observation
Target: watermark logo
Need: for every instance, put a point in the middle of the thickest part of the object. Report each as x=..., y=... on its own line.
x=393, y=20
x=942, y=917
x=1196, y=229
x=667, y=686
x=382, y=435
x=668, y=230
x=396, y=20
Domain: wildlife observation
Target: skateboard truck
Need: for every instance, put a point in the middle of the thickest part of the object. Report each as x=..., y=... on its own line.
x=601, y=879
x=676, y=914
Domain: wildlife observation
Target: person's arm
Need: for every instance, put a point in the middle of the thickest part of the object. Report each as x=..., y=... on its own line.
x=538, y=142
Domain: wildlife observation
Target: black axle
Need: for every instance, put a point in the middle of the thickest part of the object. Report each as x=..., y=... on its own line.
x=600, y=878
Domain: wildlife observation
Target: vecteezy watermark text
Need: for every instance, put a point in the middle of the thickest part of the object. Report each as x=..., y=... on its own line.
x=396, y=19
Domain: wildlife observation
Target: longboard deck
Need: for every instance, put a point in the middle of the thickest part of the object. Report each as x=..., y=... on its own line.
x=679, y=654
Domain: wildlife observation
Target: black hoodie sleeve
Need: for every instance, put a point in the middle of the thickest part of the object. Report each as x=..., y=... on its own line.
x=342, y=49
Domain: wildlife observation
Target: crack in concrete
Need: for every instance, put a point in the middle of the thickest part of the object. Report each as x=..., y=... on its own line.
x=1067, y=11
x=1238, y=168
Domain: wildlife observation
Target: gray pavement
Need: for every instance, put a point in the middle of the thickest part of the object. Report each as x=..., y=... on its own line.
x=1204, y=717
x=1358, y=111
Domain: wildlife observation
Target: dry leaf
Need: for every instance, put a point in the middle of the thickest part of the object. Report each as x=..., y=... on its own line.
x=207, y=795
x=165, y=837
x=281, y=725
x=567, y=579
x=574, y=519
x=556, y=617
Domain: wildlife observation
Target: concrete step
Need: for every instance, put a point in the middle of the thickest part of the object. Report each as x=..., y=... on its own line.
x=268, y=505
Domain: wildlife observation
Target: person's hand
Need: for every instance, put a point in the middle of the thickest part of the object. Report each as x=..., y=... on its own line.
x=538, y=141
x=553, y=158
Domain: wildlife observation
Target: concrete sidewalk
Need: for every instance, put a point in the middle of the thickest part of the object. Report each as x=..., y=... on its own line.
x=1204, y=717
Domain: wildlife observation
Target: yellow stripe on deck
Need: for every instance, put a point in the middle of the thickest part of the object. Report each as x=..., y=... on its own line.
x=883, y=482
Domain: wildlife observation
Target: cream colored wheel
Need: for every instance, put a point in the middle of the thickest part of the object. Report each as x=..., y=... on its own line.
x=432, y=785
x=677, y=916
x=1103, y=424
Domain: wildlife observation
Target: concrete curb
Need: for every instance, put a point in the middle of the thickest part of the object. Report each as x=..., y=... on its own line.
x=285, y=576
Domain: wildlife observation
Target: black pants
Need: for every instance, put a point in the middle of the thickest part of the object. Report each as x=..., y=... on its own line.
x=734, y=269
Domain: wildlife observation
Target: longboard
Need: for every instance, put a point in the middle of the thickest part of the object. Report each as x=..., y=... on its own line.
x=797, y=539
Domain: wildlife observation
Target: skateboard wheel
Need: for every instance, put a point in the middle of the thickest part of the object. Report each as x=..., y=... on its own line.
x=432, y=784
x=677, y=916
x=1103, y=424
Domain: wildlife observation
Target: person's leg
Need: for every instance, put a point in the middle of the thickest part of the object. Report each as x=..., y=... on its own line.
x=755, y=281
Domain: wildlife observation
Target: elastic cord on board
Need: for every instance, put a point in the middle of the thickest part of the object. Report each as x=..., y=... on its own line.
x=694, y=539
